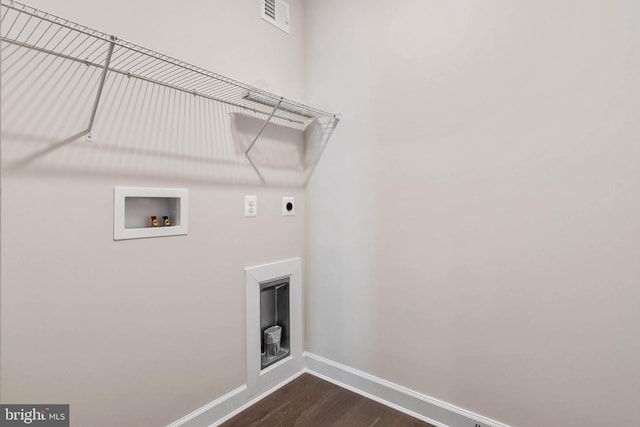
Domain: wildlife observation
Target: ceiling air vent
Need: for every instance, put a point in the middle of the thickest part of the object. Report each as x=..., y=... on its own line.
x=276, y=12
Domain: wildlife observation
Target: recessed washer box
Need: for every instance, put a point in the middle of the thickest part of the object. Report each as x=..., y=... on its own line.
x=133, y=208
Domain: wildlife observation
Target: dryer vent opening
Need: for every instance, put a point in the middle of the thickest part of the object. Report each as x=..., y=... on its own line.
x=275, y=327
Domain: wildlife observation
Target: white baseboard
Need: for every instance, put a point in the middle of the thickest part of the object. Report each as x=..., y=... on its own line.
x=213, y=410
x=426, y=408
x=255, y=400
x=420, y=406
x=227, y=406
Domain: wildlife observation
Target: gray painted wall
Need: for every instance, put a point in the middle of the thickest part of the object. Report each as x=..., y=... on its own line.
x=473, y=226
x=138, y=332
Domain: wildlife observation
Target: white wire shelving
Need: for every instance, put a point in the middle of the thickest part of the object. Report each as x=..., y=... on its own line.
x=27, y=29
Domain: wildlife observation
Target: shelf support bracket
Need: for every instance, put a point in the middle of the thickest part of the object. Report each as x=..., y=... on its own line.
x=266, y=122
x=103, y=77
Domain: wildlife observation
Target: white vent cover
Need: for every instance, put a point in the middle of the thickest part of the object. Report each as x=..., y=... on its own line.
x=276, y=12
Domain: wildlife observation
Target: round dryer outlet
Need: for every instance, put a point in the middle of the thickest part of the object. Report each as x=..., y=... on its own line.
x=288, y=205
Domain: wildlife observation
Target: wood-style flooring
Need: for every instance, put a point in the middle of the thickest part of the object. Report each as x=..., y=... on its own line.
x=310, y=401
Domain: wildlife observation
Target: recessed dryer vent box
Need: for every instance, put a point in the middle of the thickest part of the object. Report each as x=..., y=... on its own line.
x=134, y=207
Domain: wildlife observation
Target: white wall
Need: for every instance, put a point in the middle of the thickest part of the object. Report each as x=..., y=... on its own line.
x=473, y=225
x=138, y=332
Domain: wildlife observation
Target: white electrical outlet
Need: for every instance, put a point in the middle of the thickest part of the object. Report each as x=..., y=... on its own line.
x=250, y=206
x=288, y=205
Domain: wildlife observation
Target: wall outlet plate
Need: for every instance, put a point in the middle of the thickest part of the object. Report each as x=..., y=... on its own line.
x=288, y=205
x=250, y=206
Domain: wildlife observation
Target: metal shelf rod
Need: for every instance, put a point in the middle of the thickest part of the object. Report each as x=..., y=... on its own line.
x=103, y=76
x=266, y=122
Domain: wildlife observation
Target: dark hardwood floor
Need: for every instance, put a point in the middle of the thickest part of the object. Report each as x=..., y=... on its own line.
x=310, y=401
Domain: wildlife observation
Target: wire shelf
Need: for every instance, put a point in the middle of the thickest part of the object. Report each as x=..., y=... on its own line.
x=26, y=29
